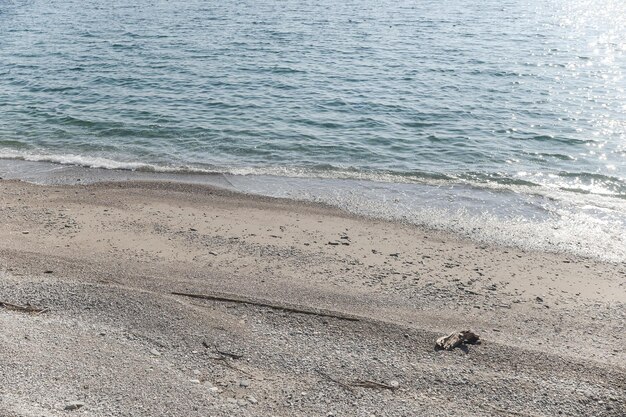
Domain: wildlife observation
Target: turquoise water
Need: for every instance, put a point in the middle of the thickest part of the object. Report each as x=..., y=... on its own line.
x=508, y=113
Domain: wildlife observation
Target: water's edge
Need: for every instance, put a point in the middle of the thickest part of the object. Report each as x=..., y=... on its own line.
x=525, y=217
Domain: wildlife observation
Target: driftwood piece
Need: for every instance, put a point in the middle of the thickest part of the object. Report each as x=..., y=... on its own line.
x=336, y=381
x=456, y=339
x=262, y=303
x=23, y=309
x=223, y=353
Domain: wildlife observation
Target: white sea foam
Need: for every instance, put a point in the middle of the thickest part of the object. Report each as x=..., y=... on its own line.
x=86, y=161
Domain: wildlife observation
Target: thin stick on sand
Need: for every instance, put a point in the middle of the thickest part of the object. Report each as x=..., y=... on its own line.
x=260, y=303
x=23, y=309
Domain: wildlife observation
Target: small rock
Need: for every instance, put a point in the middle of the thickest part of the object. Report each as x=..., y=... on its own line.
x=244, y=383
x=333, y=243
x=194, y=381
x=25, y=232
x=155, y=352
x=74, y=405
x=394, y=384
x=539, y=299
x=252, y=400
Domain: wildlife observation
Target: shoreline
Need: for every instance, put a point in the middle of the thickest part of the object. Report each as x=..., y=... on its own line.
x=105, y=258
x=529, y=220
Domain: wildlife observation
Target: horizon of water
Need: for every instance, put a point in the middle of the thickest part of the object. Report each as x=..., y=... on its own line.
x=504, y=121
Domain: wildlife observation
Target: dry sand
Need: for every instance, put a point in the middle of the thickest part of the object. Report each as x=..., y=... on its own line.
x=104, y=260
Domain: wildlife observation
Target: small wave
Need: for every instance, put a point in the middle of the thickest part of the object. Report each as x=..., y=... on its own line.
x=492, y=181
x=551, y=138
x=90, y=162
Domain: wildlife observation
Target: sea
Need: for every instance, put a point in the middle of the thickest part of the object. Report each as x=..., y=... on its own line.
x=503, y=121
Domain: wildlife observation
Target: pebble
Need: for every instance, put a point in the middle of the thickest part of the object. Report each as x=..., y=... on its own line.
x=394, y=384
x=155, y=352
x=252, y=400
x=74, y=405
x=244, y=383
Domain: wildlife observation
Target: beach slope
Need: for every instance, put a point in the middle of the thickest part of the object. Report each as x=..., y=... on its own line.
x=166, y=299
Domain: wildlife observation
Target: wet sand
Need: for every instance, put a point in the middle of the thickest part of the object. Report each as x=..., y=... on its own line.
x=105, y=259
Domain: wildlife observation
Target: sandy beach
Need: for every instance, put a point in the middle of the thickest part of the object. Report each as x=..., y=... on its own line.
x=309, y=311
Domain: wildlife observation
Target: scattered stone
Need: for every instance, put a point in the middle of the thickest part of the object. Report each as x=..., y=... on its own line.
x=74, y=405
x=394, y=384
x=155, y=352
x=25, y=232
x=333, y=243
x=539, y=299
x=456, y=339
x=244, y=383
x=252, y=400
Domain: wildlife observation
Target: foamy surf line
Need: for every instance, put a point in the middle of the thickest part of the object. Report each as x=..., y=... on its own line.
x=588, y=226
x=293, y=172
x=524, y=183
